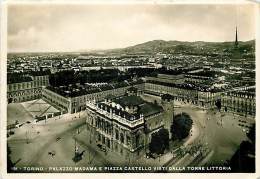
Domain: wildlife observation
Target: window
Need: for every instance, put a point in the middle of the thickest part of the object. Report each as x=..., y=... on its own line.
x=122, y=139
x=128, y=140
x=117, y=135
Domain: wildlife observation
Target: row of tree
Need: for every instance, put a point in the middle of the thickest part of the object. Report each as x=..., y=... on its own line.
x=64, y=78
x=180, y=129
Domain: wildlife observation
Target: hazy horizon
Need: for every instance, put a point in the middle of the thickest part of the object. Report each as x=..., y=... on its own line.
x=93, y=50
x=76, y=28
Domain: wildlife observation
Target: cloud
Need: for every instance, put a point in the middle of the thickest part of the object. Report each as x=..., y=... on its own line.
x=61, y=27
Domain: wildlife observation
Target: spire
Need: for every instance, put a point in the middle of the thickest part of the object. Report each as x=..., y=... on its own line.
x=236, y=42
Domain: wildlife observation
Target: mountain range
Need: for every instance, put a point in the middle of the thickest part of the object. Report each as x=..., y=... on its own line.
x=155, y=46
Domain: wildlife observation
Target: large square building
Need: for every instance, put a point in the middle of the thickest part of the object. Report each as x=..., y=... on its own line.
x=125, y=122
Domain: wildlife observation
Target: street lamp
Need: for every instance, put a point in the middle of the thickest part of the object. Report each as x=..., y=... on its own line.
x=27, y=138
x=76, y=157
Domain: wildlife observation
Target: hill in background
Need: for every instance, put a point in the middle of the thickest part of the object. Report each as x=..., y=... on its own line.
x=175, y=47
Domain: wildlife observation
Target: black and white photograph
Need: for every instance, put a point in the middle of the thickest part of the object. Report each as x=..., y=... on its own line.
x=131, y=87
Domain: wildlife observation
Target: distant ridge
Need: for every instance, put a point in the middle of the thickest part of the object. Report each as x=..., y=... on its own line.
x=174, y=46
x=155, y=46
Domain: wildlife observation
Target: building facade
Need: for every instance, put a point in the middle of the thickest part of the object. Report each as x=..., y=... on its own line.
x=241, y=101
x=205, y=99
x=28, y=90
x=78, y=103
x=122, y=130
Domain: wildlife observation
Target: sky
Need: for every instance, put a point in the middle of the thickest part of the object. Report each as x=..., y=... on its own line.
x=77, y=27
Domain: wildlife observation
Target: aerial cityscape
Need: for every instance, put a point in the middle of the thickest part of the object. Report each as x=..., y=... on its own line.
x=154, y=106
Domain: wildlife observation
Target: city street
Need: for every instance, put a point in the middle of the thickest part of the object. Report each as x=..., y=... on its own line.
x=223, y=139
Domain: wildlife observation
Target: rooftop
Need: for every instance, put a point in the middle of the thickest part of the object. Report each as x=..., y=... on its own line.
x=24, y=76
x=129, y=101
x=205, y=73
x=149, y=109
x=188, y=86
x=143, y=107
x=74, y=90
x=124, y=114
x=18, y=78
x=40, y=73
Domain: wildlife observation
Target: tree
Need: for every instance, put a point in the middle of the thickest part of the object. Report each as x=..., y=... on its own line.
x=159, y=142
x=181, y=126
x=244, y=158
x=251, y=134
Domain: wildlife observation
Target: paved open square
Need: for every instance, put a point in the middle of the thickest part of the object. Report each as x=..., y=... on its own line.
x=16, y=113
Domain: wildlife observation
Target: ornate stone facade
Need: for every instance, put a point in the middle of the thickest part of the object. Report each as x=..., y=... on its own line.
x=115, y=130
